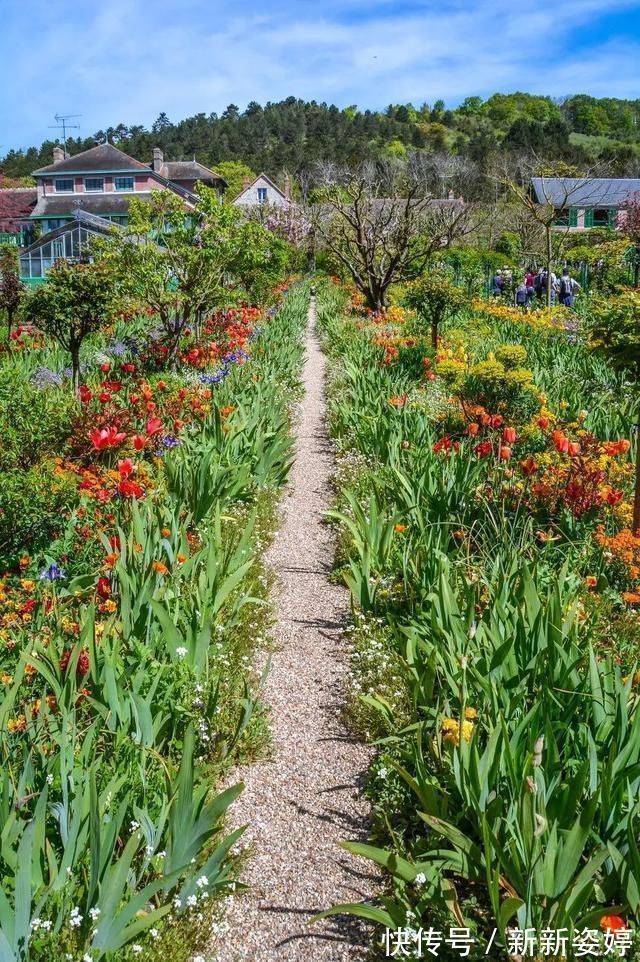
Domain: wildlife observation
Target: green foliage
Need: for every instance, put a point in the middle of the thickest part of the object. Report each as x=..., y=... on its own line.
x=77, y=300
x=33, y=505
x=436, y=299
x=236, y=174
x=615, y=330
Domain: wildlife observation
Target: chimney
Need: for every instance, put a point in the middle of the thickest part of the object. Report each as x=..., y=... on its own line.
x=158, y=159
x=58, y=155
x=246, y=181
x=287, y=186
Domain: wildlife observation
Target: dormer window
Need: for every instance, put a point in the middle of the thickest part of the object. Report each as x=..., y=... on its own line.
x=93, y=184
x=63, y=185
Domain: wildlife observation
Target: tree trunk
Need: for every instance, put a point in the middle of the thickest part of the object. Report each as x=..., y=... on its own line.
x=434, y=335
x=9, y=326
x=75, y=369
x=636, y=497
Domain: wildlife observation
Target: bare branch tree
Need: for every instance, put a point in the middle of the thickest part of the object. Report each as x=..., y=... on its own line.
x=546, y=201
x=382, y=225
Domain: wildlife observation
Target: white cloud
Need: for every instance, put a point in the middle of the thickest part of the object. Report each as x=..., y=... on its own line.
x=127, y=60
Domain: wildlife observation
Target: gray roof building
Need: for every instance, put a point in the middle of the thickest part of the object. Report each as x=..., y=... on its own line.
x=585, y=191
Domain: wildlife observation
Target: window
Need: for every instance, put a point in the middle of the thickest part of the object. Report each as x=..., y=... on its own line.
x=123, y=183
x=93, y=184
x=262, y=195
x=64, y=185
x=52, y=223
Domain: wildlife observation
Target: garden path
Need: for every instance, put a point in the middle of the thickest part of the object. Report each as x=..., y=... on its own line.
x=308, y=795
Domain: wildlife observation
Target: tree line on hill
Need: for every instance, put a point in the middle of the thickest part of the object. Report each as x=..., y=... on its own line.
x=293, y=135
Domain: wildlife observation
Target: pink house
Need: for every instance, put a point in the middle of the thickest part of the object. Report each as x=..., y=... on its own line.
x=102, y=180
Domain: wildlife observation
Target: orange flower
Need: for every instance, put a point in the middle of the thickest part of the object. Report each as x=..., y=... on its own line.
x=181, y=558
x=166, y=532
x=612, y=923
x=400, y=528
x=160, y=568
x=591, y=581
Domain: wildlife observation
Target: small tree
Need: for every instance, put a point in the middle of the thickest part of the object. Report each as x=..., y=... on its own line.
x=616, y=333
x=11, y=287
x=435, y=299
x=182, y=262
x=76, y=300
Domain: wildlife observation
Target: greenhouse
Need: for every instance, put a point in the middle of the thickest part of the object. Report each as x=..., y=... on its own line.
x=70, y=241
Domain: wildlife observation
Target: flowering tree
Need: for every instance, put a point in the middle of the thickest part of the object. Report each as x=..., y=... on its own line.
x=76, y=300
x=629, y=225
x=616, y=333
x=11, y=288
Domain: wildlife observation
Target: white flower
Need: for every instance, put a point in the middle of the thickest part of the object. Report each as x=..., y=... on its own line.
x=420, y=878
x=49, y=779
x=154, y=933
x=137, y=948
x=198, y=958
x=177, y=904
x=181, y=652
x=191, y=901
x=85, y=958
x=134, y=825
x=383, y=772
x=75, y=918
x=202, y=882
x=94, y=913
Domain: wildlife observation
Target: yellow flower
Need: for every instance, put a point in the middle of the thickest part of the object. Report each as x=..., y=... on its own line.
x=452, y=728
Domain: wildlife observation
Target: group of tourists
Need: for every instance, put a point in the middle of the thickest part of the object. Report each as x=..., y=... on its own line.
x=535, y=286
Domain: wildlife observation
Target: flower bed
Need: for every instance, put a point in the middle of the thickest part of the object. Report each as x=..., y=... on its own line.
x=484, y=503
x=127, y=620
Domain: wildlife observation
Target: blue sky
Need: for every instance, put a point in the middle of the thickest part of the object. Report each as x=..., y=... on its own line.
x=125, y=61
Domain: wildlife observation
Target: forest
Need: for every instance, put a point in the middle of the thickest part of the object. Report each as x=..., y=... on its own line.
x=578, y=131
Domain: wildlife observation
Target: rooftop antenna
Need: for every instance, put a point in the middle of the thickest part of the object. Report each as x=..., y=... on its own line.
x=62, y=123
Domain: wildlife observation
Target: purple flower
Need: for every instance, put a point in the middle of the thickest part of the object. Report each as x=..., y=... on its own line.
x=53, y=573
x=44, y=377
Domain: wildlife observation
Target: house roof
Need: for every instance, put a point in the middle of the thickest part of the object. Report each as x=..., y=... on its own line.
x=262, y=176
x=65, y=206
x=585, y=191
x=16, y=204
x=103, y=157
x=189, y=170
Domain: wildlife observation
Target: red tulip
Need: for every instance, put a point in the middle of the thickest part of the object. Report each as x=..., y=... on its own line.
x=505, y=452
x=472, y=429
x=154, y=426
x=560, y=442
x=104, y=397
x=483, y=449
x=125, y=468
x=612, y=923
x=543, y=423
x=139, y=442
x=529, y=466
x=85, y=394
x=509, y=435
x=104, y=438
x=129, y=368
x=574, y=449
x=496, y=421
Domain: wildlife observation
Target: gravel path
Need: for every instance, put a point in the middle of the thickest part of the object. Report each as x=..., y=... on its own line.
x=305, y=799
